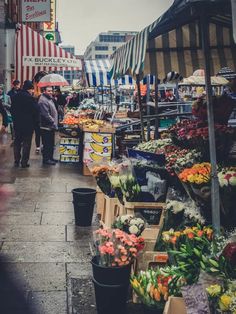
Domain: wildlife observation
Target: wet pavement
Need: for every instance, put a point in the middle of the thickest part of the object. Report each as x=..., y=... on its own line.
x=43, y=248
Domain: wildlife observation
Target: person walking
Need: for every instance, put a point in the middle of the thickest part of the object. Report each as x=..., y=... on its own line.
x=25, y=117
x=48, y=125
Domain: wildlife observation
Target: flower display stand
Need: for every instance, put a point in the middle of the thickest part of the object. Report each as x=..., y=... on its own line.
x=111, y=210
x=100, y=200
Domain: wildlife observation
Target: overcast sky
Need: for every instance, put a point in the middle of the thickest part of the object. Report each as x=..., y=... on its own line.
x=80, y=21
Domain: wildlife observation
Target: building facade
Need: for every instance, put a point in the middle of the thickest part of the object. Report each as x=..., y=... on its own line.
x=106, y=43
x=70, y=75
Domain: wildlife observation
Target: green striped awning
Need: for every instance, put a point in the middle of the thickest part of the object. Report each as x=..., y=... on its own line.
x=157, y=51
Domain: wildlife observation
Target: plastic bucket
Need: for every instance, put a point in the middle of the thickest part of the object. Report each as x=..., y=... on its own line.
x=111, y=275
x=83, y=200
x=110, y=298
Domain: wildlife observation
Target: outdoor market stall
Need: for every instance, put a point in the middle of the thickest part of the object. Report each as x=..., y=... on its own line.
x=193, y=258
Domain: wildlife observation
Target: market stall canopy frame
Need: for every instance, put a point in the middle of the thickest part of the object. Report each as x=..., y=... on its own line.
x=161, y=47
x=34, y=53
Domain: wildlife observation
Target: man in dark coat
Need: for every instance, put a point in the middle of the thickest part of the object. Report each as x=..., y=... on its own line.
x=15, y=89
x=48, y=125
x=25, y=115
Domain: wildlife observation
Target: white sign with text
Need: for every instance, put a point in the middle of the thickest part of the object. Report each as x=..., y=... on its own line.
x=51, y=62
x=36, y=10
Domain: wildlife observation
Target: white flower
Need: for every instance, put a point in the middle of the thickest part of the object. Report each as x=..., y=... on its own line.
x=124, y=218
x=133, y=229
x=133, y=221
x=223, y=182
x=140, y=221
x=232, y=181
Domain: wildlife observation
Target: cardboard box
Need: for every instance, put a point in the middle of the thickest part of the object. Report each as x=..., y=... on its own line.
x=175, y=306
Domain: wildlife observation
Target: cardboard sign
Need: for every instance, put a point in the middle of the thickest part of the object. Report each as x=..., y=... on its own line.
x=36, y=10
x=196, y=299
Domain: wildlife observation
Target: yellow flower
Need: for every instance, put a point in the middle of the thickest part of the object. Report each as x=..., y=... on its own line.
x=225, y=302
x=214, y=290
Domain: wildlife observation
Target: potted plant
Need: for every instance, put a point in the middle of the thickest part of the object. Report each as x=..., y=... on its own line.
x=115, y=253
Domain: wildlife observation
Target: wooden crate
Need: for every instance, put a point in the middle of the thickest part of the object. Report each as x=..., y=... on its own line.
x=131, y=207
x=111, y=210
x=151, y=259
x=175, y=305
x=86, y=171
x=100, y=201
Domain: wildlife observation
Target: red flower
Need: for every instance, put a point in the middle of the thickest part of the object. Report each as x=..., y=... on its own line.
x=229, y=253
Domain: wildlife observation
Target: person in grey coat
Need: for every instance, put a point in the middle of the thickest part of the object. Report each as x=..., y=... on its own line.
x=48, y=125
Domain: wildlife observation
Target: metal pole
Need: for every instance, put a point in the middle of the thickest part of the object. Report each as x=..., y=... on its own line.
x=111, y=97
x=156, y=109
x=215, y=198
x=140, y=107
x=102, y=95
x=148, y=107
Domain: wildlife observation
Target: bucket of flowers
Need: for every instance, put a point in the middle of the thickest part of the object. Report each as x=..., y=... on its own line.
x=115, y=253
x=100, y=173
x=227, y=181
x=130, y=224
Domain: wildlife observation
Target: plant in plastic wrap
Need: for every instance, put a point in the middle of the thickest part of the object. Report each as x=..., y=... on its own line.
x=114, y=177
x=128, y=183
x=227, y=181
x=130, y=224
x=117, y=248
x=100, y=172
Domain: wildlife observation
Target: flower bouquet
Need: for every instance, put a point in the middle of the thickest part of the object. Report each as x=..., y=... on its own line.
x=130, y=224
x=100, y=172
x=227, y=181
x=117, y=248
x=152, y=289
x=197, y=180
x=154, y=145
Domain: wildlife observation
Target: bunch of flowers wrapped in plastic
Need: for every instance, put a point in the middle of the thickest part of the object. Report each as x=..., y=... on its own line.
x=227, y=181
x=154, y=145
x=151, y=288
x=117, y=248
x=130, y=224
x=198, y=174
x=223, y=297
x=100, y=172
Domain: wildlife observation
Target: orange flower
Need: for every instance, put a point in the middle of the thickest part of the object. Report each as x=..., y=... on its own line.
x=200, y=233
x=190, y=235
x=173, y=240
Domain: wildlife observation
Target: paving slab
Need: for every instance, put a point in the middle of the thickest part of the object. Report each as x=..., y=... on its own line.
x=58, y=218
x=76, y=233
x=54, y=207
x=21, y=219
x=20, y=206
x=82, y=296
x=78, y=270
x=52, y=187
x=38, y=276
x=48, y=197
x=46, y=252
x=34, y=233
x=54, y=302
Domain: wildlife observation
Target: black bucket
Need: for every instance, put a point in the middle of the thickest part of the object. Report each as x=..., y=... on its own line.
x=83, y=200
x=110, y=298
x=111, y=275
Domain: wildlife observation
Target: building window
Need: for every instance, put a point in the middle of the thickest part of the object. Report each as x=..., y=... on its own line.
x=101, y=56
x=101, y=48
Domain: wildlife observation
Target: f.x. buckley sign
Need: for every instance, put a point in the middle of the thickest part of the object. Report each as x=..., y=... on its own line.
x=36, y=10
x=51, y=62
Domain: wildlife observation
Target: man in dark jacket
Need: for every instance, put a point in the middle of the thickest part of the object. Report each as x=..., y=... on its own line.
x=15, y=89
x=48, y=125
x=25, y=117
